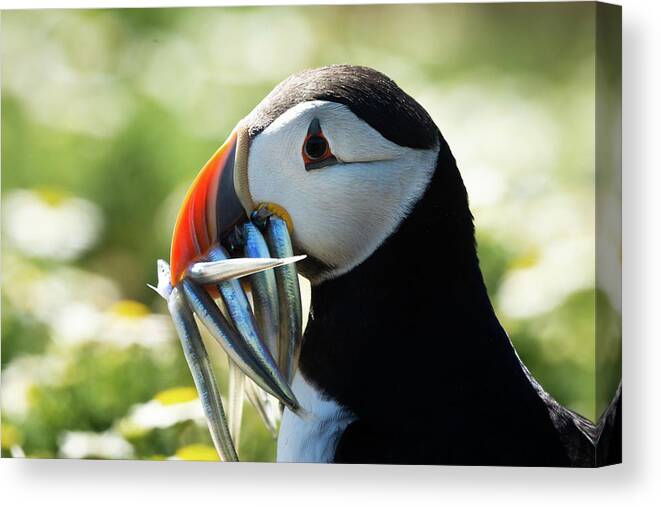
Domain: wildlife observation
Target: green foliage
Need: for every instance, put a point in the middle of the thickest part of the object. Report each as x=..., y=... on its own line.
x=20, y=336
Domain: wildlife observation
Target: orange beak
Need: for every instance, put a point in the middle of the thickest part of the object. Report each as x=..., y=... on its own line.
x=210, y=209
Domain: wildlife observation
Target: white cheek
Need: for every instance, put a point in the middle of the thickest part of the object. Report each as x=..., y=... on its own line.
x=341, y=213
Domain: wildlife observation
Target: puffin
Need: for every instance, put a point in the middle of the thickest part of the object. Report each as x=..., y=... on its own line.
x=403, y=359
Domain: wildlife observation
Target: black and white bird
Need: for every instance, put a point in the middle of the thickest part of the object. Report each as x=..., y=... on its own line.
x=403, y=359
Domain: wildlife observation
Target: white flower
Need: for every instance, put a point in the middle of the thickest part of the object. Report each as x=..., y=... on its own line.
x=155, y=414
x=50, y=225
x=129, y=322
x=124, y=324
x=17, y=451
x=76, y=323
x=53, y=297
x=168, y=408
x=21, y=375
x=80, y=444
x=564, y=267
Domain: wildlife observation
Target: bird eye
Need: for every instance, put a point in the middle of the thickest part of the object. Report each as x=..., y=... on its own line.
x=316, y=150
x=315, y=147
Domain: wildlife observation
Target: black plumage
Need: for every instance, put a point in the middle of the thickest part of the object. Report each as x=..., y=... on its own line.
x=416, y=351
x=370, y=95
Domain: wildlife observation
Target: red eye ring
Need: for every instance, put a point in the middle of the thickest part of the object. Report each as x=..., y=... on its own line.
x=316, y=149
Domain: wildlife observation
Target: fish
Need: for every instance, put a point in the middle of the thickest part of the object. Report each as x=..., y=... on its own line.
x=241, y=316
x=263, y=287
x=231, y=341
x=262, y=336
x=266, y=406
x=236, y=395
x=205, y=272
x=289, y=297
x=202, y=372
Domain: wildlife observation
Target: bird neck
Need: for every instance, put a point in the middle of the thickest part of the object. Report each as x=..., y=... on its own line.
x=418, y=302
x=409, y=343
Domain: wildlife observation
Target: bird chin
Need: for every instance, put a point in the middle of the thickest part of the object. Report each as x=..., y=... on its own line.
x=314, y=269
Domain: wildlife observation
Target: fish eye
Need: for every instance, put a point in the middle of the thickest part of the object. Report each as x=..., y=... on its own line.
x=316, y=150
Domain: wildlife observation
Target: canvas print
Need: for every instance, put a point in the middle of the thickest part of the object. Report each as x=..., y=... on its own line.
x=319, y=234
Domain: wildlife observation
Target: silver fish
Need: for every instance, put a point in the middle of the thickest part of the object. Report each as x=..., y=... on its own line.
x=241, y=315
x=267, y=407
x=202, y=371
x=215, y=272
x=236, y=391
x=234, y=345
x=263, y=287
x=289, y=297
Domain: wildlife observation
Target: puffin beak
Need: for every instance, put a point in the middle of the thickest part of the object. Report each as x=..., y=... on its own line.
x=209, y=211
x=261, y=343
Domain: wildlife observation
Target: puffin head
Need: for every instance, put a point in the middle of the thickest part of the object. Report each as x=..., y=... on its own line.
x=327, y=166
x=340, y=152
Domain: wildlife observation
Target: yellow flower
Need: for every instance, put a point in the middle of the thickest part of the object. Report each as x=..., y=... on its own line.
x=176, y=395
x=128, y=309
x=197, y=452
x=11, y=436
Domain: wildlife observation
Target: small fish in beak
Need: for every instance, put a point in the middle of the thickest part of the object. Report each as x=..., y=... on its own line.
x=263, y=344
x=232, y=342
x=241, y=315
x=262, y=285
x=202, y=371
x=236, y=395
x=229, y=269
x=267, y=407
x=289, y=291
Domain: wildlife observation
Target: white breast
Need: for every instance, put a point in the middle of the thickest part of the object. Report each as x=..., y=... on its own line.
x=314, y=437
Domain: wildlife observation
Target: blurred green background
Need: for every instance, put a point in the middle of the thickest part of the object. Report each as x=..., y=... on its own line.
x=108, y=114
